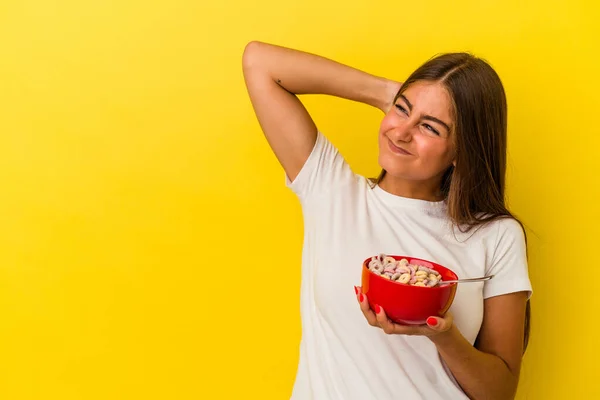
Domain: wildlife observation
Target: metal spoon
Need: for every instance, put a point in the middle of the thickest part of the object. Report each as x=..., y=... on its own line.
x=483, y=278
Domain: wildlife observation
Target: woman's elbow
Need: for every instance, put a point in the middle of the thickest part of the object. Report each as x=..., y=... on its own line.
x=250, y=57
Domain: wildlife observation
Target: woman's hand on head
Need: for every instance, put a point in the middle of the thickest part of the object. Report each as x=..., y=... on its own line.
x=392, y=89
x=377, y=318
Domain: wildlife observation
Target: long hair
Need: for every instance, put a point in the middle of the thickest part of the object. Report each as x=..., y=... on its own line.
x=474, y=189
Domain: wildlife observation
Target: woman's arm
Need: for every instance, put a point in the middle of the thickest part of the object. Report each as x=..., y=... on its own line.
x=491, y=369
x=274, y=75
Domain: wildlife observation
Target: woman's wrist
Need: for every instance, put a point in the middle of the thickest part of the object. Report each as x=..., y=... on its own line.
x=386, y=93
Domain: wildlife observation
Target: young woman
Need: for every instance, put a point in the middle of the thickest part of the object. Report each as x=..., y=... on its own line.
x=440, y=196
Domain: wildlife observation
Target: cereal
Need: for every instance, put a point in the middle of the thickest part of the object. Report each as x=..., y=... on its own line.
x=402, y=271
x=404, y=278
x=432, y=282
x=389, y=260
x=376, y=267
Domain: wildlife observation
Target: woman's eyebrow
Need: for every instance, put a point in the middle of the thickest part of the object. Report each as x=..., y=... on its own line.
x=427, y=117
x=434, y=119
x=403, y=97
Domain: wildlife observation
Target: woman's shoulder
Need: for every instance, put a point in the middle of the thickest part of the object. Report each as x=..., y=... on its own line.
x=493, y=229
x=507, y=224
x=501, y=229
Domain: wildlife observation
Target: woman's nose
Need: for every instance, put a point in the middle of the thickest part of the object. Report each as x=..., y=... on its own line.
x=402, y=132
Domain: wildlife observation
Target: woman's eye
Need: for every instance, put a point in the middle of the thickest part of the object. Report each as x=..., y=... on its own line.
x=402, y=109
x=430, y=128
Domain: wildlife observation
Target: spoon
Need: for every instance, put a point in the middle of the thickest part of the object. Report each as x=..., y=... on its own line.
x=483, y=278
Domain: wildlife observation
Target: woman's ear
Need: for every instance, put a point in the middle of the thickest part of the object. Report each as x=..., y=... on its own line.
x=454, y=163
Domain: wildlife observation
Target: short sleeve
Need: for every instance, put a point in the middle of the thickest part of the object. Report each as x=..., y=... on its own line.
x=509, y=261
x=323, y=171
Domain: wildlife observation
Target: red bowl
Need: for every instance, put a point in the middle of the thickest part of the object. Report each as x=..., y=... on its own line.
x=406, y=304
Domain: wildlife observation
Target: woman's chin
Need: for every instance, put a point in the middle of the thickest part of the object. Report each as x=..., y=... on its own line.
x=393, y=168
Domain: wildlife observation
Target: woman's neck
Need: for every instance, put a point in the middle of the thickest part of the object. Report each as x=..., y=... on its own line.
x=428, y=191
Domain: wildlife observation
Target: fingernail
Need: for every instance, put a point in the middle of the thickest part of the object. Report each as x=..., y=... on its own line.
x=431, y=321
x=377, y=309
x=356, y=289
x=361, y=298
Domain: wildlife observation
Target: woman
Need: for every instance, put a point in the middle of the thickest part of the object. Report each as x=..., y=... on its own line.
x=440, y=196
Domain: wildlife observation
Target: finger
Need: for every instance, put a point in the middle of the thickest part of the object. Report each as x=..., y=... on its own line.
x=366, y=309
x=382, y=320
x=390, y=327
x=440, y=324
x=412, y=330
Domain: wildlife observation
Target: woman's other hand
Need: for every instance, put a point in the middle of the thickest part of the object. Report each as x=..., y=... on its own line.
x=435, y=325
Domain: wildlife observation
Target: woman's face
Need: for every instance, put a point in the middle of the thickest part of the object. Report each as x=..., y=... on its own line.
x=416, y=140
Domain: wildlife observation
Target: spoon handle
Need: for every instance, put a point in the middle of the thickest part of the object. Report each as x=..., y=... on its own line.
x=483, y=278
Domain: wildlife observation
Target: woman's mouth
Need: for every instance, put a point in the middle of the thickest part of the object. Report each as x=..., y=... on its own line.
x=397, y=150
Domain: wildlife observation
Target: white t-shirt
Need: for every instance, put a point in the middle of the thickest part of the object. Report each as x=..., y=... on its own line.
x=346, y=221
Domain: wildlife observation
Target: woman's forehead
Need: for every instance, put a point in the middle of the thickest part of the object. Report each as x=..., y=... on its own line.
x=429, y=98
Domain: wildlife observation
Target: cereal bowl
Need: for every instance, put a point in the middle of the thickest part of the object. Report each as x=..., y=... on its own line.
x=404, y=303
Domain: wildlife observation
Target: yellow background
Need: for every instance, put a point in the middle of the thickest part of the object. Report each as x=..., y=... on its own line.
x=149, y=248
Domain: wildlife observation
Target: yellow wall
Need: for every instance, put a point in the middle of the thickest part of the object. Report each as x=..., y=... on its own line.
x=142, y=213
